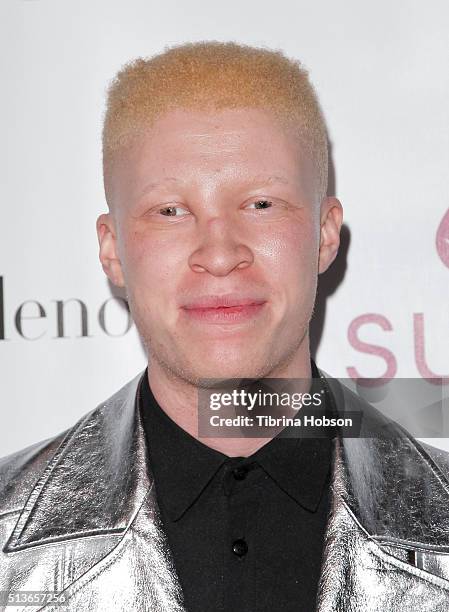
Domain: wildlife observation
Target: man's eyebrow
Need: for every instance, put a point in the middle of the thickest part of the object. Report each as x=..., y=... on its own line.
x=257, y=180
x=270, y=179
x=154, y=185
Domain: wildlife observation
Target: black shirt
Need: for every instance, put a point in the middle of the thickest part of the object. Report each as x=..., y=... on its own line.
x=246, y=533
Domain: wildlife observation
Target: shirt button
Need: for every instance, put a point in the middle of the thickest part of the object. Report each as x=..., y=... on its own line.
x=240, y=473
x=240, y=548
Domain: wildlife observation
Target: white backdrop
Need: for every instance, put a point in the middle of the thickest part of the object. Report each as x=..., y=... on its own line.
x=381, y=71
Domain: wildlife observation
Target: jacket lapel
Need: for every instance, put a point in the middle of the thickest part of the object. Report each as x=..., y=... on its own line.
x=94, y=482
x=387, y=538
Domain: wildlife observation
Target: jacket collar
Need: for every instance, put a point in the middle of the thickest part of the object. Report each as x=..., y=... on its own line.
x=95, y=481
x=387, y=480
x=99, y=477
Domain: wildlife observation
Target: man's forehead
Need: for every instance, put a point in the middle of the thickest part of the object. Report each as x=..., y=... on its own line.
x=184, y=148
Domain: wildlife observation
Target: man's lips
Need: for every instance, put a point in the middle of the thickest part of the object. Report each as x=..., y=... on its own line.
x=219, y=301
x=230, y=308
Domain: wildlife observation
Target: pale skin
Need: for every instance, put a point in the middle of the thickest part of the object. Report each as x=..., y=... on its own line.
x=212, y=204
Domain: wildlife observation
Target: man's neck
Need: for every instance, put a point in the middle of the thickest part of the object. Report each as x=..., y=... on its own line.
x=179, y=400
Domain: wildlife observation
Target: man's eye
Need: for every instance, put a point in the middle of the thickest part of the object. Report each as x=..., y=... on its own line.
x=261, y=204
x=171, y=211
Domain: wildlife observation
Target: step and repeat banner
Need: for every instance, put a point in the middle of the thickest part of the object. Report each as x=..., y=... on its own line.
x=381, y=71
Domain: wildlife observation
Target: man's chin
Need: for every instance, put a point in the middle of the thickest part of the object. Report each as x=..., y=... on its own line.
x=203, y=364
x=208, y=376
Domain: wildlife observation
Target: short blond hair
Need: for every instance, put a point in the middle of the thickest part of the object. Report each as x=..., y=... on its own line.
x=211, y=76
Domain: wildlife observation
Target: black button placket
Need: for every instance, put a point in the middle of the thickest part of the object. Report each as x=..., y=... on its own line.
x=241, y=489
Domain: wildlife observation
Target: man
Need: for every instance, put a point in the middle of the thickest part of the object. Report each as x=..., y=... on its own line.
x=215, y=169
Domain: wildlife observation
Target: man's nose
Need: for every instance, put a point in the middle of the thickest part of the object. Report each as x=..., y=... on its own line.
x=220, y=249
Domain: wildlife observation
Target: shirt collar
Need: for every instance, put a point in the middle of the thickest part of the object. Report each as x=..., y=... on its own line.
x=183, y=466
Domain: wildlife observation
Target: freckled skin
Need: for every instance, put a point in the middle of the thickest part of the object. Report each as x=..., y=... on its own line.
x=217, y=238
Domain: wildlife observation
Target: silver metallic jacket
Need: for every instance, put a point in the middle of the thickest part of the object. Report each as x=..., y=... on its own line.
x=79, y=514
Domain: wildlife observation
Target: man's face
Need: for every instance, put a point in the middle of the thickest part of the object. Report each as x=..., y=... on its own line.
x=215, y=233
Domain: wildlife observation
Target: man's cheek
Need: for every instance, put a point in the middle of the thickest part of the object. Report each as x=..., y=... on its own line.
x=145, y=264
x=286, y=242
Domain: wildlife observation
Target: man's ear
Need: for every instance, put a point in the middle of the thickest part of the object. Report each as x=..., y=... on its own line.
x=331, y=214
x=108, y=249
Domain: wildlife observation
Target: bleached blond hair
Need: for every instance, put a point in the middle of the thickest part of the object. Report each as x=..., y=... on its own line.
x=210, y=76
